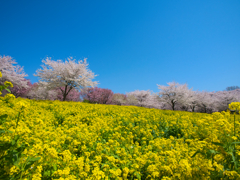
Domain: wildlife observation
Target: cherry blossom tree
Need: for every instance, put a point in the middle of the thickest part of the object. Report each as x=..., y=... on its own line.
x=97, y=95
x=68, y=74
x=12, y=73
x=224, y=98
x=18, y=91
x=143, y=99
x=236, y=93
x=119, y=99
x=193, y=100
x=174, y=94
x=73, y=95
x=21, y=92
x=206, y=102
x=131, y=100
x=40, y=92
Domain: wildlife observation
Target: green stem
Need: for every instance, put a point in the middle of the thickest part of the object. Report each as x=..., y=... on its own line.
x=234, y=132
x=24, y=168
x=234, y=124
x=18, y=119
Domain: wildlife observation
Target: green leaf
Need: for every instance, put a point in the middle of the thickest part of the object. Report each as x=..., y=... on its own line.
x=235, y=161
x=3, y=116
x=55, y=167
x=13, y=142
x=2, y=131
x=33, y=159
x=198, y=151
x=116, y=156
x=8, y=90
x=5, y=146
x=138, y=175
x=220, y=144
x=211, y=152
x=47, y=173
x=29, y=164
x=235, y=143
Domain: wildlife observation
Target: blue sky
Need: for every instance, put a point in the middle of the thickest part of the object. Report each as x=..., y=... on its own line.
x=130, y=45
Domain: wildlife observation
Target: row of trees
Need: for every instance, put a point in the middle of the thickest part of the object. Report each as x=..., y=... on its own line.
x=180, y=97
x=70, y=81
x=175, y=96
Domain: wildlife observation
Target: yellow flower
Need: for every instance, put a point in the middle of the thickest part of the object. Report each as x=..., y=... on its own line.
x=87, y=167
x=66, y=155
x=234, y=106
x=166, y=178
x=93, y=141
x=9, y=96
x=7, y=83
x=13, y=170
x=125, y=172
x=155, y=174
x=0, y=74
x=21, y=104
x=234, y=138
x=98, y=174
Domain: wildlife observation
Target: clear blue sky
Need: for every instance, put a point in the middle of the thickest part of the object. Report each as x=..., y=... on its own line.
x=131, y=45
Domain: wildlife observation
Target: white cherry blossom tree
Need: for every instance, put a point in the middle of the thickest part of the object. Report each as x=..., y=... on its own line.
x=119, y=99
x=224, y=98
x=205, y=101
x=68, y=74
x=236, y=93
x=40, y=92
x=143, y=99
x=12, y=73
x=193, y=100
x=174, y=94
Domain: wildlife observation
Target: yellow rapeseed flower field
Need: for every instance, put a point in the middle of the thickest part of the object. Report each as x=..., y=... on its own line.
x=74, y=140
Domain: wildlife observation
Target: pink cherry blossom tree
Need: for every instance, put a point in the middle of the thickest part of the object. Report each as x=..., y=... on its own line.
x=21, y=92
x=97, y=95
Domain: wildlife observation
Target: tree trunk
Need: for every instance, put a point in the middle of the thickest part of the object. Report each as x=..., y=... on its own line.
x=173, y=105
x=193, y=108
x=65, y=93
